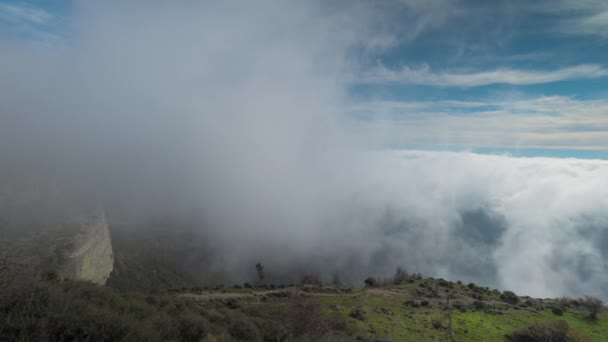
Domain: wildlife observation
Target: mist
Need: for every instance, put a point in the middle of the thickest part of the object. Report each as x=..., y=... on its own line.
x=236, y=115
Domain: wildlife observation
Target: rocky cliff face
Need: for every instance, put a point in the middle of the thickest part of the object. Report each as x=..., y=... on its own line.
x=54, y=230
x=88, y=254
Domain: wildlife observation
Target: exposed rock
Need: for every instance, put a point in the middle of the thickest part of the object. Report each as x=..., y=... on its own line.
x=91, y=257
x=57, y=230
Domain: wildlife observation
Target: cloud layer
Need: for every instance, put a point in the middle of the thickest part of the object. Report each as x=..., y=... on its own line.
x=556, y=122
x=425, y=76
x=238, y=113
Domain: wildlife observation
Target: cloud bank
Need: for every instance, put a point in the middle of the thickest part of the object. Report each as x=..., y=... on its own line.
x=549, y=122
x=238, y=113
x=425, y=76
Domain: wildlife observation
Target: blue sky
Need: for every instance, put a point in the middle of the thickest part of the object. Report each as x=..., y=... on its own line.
x=518, y=77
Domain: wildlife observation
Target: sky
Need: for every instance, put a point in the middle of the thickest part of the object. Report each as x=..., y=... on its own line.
x=457, y=139
x=502, y=77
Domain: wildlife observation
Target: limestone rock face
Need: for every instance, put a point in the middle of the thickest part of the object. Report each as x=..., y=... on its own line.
x=54, y=228
x=89, y=254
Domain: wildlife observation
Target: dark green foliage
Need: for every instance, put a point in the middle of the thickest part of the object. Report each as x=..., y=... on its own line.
x=400, y=276
x=273, y=331
x=593, y=305
x=307, y=317
x=479, y=305
x=509, y=297
x=244, y=330
x=68, y=311
x=443, y=283
x=554, y=331
x=557, y=311
x=371, y=282
x=191, y=327
x=357, y=313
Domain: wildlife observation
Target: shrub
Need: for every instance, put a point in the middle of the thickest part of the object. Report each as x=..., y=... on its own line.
x=371, y=282
x=191, y=327
x=479, y=305
x=272, y=331
x=400, y=276
x=437, y=323
x=357, y=313
x=557, y=311
x=80, y=311
x=243, y=330
x=554, y=331
x=593, y=305
x=412, y=303
x=307, y=317
x=509, y=297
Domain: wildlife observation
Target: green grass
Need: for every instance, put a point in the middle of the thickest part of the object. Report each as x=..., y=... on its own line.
x=72, y=309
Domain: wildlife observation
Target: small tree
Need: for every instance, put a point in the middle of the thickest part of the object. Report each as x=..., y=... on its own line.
x=400, y=276
x=593, y=305
x=371, y=282
x=509, y=297
x=260, y=271
x=335, y=279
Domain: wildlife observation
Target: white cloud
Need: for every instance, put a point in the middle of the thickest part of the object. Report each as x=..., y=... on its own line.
x=20, y=12
x=583, y=17
x=546, y=220
x=428, y=77
x=596, y=24
x=544, y=122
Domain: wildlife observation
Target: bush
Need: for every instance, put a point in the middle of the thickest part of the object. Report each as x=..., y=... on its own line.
x=371, y=282
x=437, y=324
x=400, y=276
x=357, y=313
x=80, y=311
x=593, y=305
x=243, y=330
x=554, y=331
x=192, y=328
x=272, y=331
x=479, y=305
x=509, y=297
x=307, y=317
x=557, y=311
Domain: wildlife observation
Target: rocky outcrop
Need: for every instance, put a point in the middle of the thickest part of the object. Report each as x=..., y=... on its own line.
x=54, y=229
x=88, y=255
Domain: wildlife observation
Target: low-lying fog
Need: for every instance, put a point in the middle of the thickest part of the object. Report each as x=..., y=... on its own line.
x=240, y=114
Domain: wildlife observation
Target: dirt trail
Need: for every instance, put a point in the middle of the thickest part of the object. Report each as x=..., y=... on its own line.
x=218, y=295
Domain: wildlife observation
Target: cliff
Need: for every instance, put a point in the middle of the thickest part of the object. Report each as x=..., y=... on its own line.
x=50, y=228
x=88, y=255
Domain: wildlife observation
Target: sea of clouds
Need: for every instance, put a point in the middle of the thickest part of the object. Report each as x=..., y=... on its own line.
x=237, y=112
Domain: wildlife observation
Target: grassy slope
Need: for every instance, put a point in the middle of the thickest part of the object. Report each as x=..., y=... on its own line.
x=387, y=318
x=72, y=310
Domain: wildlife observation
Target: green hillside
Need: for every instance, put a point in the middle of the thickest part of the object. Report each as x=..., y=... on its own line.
x=416, y=310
